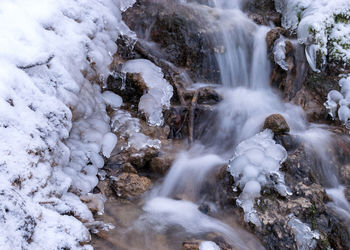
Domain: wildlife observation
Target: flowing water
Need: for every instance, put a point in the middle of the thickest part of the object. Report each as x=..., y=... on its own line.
x=171, y=208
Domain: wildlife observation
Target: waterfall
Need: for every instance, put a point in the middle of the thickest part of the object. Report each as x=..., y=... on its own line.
x=247, y=101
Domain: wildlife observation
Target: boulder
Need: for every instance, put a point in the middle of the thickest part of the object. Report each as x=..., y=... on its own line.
x=277, y=124
x=129, y=185
x=161, y=164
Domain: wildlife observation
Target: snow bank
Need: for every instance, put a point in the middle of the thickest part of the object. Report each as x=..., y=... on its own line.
x=341, y=99
x=52, y=119
x=322, y=25
x=159, y=90
x=255, y=165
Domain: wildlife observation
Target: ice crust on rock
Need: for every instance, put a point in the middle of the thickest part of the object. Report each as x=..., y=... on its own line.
x=108, y=143
x=304, y=236
x=208, y=245
x=159, y=90
x=129, y=128
x=279, y=53
x=112, y=99
x=254, y=166
x=52, y=118
x=322, y=25
x=341, y=99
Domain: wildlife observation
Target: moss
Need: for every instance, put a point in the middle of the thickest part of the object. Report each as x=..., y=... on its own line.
x=299, y=16
x=342, y=17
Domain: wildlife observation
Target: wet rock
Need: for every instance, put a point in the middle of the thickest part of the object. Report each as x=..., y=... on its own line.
x=272, y=36
x=264, y=8
x=128, y=185
x=213, y=239
x=139, y=158
x=130, y=88
x=208, y=96
x=128, y=168
x=95, y=202
x=183, y=36
x=204, y=208
x=277, y=124
x=289, y=142
x=161, y=164
x=191, y=245
x=258, y=19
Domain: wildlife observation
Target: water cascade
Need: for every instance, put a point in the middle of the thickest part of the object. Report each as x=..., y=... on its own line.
x=235, y=138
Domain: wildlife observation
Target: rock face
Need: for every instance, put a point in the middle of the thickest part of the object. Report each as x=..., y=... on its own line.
x=182, y=35
x=277, y=124
x=129, y=185
x=299, y=84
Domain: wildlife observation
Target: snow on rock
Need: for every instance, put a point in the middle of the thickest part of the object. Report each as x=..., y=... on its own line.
x=255, y=165
x=52, y=118
x=341, y=99
x=159, y=90
x=322, y=25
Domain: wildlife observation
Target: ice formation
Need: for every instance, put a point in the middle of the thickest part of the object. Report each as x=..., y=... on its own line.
x=159, y=91
x=341, y=99
x=323, y=26
x=279, y=53
x=111, y=99
x=256, y=165
x=208, y=245
x=52, y=118
x=304, y=236
x=129, y=128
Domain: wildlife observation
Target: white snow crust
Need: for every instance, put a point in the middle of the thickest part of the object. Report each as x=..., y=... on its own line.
x=53, y=120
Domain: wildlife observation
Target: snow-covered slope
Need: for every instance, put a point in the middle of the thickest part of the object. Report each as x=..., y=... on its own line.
x=52, y=119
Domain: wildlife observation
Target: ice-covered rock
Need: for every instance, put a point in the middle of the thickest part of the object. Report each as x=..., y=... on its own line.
x=129, y=128
x=338, y=103
x=111, y=99
x=159, y=90
x=304, y=236
x=108, y=143
x=323, y=26
x=279, y=53
x=208, y=245
x=255, y=165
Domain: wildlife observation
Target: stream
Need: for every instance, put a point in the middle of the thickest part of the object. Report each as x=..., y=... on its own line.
x=172, y=211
